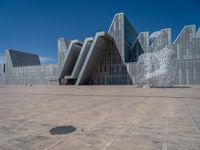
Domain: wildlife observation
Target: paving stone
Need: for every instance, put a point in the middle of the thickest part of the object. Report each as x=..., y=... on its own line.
x=104, y=117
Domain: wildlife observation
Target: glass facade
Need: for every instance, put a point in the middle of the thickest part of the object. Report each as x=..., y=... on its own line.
x=132, y=46
x=111, y=70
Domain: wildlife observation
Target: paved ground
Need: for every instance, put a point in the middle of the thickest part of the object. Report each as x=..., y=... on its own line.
x=105, y=117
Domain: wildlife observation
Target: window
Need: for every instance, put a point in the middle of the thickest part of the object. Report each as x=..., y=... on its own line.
x=117, y=68
x=123, y=69
x=100, y=68
x=4, y=68
x=105, y=68
x=110, y=68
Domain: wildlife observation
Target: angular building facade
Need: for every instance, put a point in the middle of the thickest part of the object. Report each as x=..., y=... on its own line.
x=187, y=46
x=23, y=68
x=108, y=58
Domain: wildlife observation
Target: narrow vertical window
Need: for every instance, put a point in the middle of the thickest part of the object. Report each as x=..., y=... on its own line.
x=4, y=68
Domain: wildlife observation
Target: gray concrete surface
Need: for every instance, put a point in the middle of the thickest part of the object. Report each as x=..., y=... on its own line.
x=105, y=117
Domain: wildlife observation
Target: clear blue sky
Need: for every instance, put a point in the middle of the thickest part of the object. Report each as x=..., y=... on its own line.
x=35, y=25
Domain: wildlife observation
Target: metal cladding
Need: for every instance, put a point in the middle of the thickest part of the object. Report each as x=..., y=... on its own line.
x=113, y=57
x=2, y=74
x=27, y=72
x=187, y=46
x=157, y=69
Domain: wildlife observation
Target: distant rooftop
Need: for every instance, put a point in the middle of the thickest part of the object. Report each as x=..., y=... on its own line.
x=23, y=59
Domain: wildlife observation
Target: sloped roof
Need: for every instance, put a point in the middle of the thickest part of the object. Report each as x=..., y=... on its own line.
x=70, y=58
x=23, y=59
x=91, y=60
x=198, y=33
x=81, y=58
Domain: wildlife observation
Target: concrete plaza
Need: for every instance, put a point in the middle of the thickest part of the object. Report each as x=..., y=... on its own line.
x=104, y=118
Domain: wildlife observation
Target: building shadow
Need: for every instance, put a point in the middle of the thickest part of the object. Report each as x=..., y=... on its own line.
x=175, y=86
x=181, y=86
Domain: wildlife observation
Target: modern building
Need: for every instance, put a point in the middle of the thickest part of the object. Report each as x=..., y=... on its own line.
x=108, y=58
x=22, y=68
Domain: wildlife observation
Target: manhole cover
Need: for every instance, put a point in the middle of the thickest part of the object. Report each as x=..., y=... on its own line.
x=62, y=130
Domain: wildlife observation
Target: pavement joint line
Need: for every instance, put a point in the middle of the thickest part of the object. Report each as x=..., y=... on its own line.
x=56, y=143
x=64, y=138
x=135, y=122
x=79, y=95
x=191, y=115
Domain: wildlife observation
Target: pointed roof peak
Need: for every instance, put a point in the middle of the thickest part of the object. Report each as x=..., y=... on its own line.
x=198, y=33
